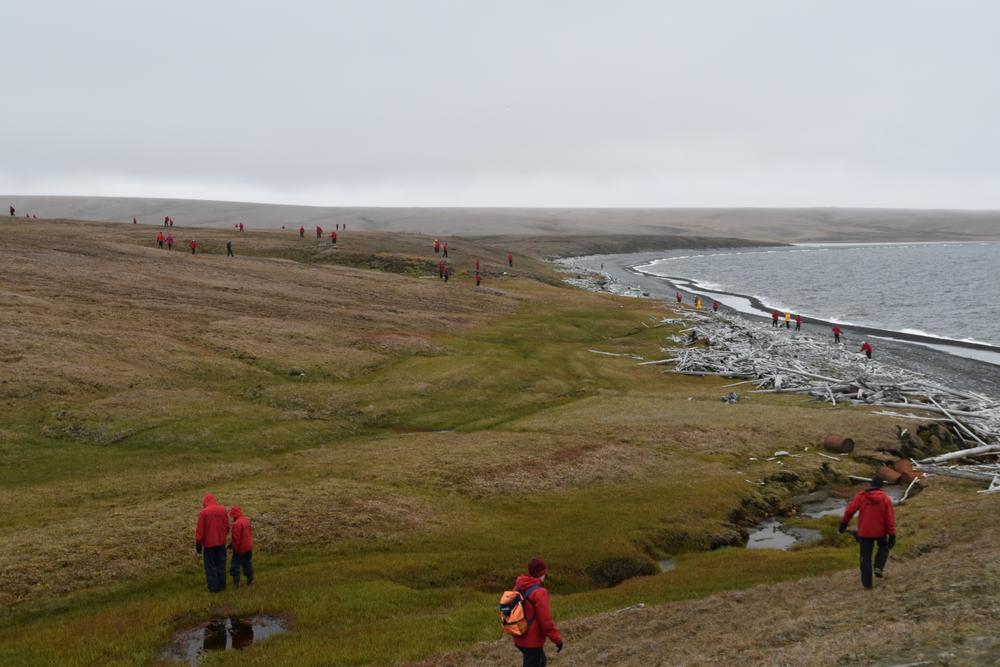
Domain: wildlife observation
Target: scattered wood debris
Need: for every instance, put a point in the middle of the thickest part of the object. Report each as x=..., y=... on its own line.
x=776, y=360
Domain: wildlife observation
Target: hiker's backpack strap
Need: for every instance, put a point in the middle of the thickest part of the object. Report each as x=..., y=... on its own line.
x=526, y=593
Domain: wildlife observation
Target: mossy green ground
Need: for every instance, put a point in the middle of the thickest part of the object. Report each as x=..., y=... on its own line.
x=401, y=458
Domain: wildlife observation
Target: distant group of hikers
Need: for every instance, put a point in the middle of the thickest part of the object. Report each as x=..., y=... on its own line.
x=212, y=540
x=866, y=347
x=444, y=271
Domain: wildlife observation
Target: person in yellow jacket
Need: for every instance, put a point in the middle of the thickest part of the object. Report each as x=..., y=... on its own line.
x=788, y=319
x=697, y=302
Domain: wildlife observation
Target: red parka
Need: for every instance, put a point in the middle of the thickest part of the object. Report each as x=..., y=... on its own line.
x=242, y=532
x=877, y=518
x=539, y=615
x=213, y=524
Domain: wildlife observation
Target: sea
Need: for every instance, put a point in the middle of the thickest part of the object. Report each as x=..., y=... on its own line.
x=940, y=290
x=942, y=297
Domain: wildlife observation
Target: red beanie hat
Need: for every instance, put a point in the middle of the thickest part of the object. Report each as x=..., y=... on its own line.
x=537, y=567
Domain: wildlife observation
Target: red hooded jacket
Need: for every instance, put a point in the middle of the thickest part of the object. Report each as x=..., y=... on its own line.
x=539, y=615
x=877, y=518
x=213, y=524
x=242, y=532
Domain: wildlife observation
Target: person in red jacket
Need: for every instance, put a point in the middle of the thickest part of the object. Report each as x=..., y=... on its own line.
x=210, y=541
x=302, y=232
x=319, y=232
x=193, y=245
x=479, y=279
x=715, y=306
x=160, y=239
x=774, y=319
x=446, y=274
x=333, y=238
x=679, y=297
x=242, y=546
x=876, y=525
x=798, y=322
x=444, y=249
x=510, y=260
x=437, y=247
x=836, y=333
x=539, y=615
x=170, y=241
x=866, y=347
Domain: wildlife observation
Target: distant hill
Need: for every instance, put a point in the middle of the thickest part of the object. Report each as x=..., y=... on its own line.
x=760, y=224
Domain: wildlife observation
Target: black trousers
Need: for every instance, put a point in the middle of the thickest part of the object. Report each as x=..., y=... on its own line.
x=241, y=561
x=867, y=544
x=533, y=657
x=215, y=568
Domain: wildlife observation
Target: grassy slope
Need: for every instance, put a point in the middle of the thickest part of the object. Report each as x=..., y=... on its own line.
x=307, y=390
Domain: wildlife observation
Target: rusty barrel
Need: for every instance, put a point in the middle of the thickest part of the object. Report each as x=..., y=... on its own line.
x=888, y=474
x=906, y=471
x=838, y=444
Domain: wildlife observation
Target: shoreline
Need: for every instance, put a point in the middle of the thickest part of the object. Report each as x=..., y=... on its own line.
x=922, y=354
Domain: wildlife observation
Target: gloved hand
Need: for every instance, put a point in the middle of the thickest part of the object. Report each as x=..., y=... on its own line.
x=558, y=647
x=229, y=547
x=197, y=548
x=890, y=541
x=842, y=528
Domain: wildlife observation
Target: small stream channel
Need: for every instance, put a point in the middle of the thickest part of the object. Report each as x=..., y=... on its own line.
x=773, y=534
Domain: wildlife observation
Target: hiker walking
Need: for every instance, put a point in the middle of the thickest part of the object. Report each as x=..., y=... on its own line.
x=134, y=221
x=539, y=615
x=798, y=322
x=166, y=220
x=866, y=347
x=836, y=333
x=170, y=241
x=697, y=303
x=437, y=246
x=229, y=249
x=478, y=279
x=715, y=306
x=241, y=226
x=210, y=541
x=242, y=546
x=774, y=319
x=441, y=270
x=876, y=526
x=12, y=211
x=302, y=232
x=679, y=297
x=444, y=249
x=510, y=260
x=160, y=239
x=447, y=272
x=319, y=232
x=193, y=245
x=337, y=227
x=788, y=319
x=333, y=238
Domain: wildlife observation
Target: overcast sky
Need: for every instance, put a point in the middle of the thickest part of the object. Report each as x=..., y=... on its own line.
x=535, y=103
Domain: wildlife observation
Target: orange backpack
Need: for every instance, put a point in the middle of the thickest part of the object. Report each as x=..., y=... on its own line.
x=512, y=616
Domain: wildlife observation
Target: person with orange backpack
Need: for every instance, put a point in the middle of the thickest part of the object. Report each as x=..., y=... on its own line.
x=527, y=617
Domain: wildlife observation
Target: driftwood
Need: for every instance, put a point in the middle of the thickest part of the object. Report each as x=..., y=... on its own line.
x=776, y=360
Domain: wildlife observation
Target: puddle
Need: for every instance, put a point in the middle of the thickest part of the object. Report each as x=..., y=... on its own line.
x=770, y=534
x=667, y=565
x=821, y=503
x=222, y=634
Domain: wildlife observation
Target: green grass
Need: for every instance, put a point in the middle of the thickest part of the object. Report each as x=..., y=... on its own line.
x=382, y=540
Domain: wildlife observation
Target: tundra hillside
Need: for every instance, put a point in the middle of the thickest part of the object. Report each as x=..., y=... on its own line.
x=402, y=447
